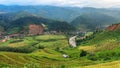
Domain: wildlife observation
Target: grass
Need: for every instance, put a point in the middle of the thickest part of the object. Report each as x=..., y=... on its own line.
x=114, y=64
x=87, y=48
x=103, y=40
x=41, y=58
x=102, y=47
x=36, y=42
x=50, y=48
x=102, y=37
x=48, y=57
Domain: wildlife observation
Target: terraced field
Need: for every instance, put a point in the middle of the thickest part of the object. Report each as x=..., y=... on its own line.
x=48, y=53
x=115, y=64
x=41, y=57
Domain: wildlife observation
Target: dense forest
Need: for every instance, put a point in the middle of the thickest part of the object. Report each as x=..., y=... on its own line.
x=21, y=24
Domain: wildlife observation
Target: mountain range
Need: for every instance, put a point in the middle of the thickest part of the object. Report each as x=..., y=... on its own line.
x=86, y=18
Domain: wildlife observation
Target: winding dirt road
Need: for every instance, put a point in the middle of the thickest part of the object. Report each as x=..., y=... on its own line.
x=72, y=41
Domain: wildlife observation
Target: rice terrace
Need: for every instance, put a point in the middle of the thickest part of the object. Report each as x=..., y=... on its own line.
x=59, y=34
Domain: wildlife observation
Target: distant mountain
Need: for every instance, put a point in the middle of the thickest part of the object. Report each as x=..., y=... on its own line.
x=57, y=13
x=6, y=18
x=21, y=25
x=51, y=12
x=93, y=20
x=68, y=14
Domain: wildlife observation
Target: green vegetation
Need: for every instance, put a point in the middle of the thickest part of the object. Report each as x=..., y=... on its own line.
x=102, y=37
x=102, y=46
x=91, y=21
x=20, y=25
x=40, y=51
x=48, y=50
x=29, y=44
x=106, y=55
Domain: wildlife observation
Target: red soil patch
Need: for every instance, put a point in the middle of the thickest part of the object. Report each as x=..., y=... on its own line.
x=113, y=27
x=35, y=29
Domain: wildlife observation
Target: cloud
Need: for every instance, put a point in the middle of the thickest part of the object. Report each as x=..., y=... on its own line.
x=79, y=3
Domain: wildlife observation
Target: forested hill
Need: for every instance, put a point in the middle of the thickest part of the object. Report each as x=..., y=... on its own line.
x=86, y=18
x=16, y=26
x=93, y=20
x=58, y=13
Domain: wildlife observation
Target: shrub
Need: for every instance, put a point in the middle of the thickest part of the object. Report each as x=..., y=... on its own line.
x=105, y=55
x=39, y=47
x=16, y=41
x=23, y=49
x=83, y=53
x=62, y=66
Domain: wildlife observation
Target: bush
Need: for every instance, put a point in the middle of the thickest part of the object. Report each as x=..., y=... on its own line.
x=23, y=49
x=39, y=47
x=16, y=41
x=106, y=55
x=62, y=66
x=83, y=53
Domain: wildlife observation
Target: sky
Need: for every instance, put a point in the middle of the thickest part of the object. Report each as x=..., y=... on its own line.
x=73, y=3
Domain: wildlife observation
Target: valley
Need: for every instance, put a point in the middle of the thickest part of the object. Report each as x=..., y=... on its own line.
x=44, y=51
x=59, y=37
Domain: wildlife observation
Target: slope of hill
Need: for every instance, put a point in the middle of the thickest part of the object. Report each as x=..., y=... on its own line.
x=91, y=21
x=58, y=13
x=6, y=18
x=114, y=64
x=103, y=45
x=45, y=51
x=113, y=27
x=51, y=12
x=22, y=24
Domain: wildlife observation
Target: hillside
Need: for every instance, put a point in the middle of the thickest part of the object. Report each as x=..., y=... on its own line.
x=102, y=37
x=91, y=21
x=40, y=52
x=114, y=64
x=86, y=18
x=103, y=45
x=113, y=27
x=51, y=12
x=58, y=13
x=21, y=24
x=35, y=50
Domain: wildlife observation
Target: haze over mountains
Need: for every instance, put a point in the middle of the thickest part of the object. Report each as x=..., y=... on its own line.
x=79, y=17
x=59, y=13
x=43, y=36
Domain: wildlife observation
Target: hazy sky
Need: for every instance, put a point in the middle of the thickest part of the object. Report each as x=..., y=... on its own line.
x=79, y=3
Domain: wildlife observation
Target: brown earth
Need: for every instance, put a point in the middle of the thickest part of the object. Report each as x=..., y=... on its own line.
x=113, y=27
x=35, y=29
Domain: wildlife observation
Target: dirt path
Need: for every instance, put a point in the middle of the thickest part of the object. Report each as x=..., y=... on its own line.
x=72, y=41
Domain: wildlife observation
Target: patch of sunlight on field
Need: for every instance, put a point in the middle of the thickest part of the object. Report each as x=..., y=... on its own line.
x=11, y=58
x=54, y=44
x=115, y=64
x=47, y=37
x=100, y=46
x=51, y=41
x=47, y=53
x=87, y=48
x=88, y=33
x=17, y=44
